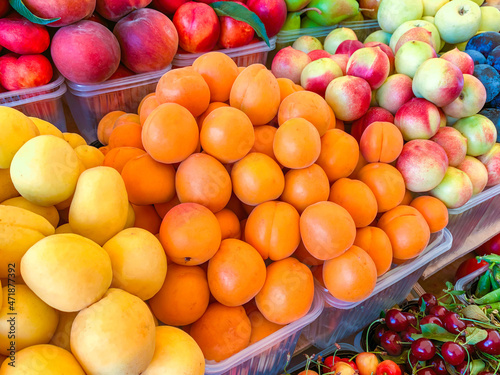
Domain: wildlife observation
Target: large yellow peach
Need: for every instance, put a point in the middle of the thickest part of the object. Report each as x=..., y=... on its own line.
x=67, y=271
x=63, y=330
x=48, y=212
x=139, y=262
x=42, y=360
x=100, y=205
x=45, y=170
x=65, y=228
x=123, y=326
x=34, y=321
x=130, y=217
x=16, y=129
x=90, y=156
x=7, y=188
x=74, y=139
x=46, y=128
x=175, y=353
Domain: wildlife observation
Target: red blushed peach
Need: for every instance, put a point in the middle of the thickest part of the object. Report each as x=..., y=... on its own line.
x=148, y=40
x=416, y=33
x=394, y=92
x=341, y=61
x=167, y=6
x=381, y=142
x=443, y=118
x=349, y=97
x=455, y=189
x=318, y=54
x=121, y=72
x=417, y=119
x=492, y=162
x=289, y=63
x=470, y=101
x=370, y=64
x=477, y=173
x=198, y=27
x=453, y=143
x=114, y=10
x=387, y=50
x=4, y=7
x=480, y=132
x=348, y=47
x=22, y=72
x=85, y=52
x=70, y=11
x=317, y=75
x=423, y=164
x=373, y=114
x=233, y=33
x=461, y=59
x=21, y=36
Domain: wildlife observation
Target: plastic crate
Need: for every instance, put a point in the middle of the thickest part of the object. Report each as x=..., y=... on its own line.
x=466, y=282
x=89, y=103
x=340, y=319
x=269, y=355
x=44, y=102
x=253, y=53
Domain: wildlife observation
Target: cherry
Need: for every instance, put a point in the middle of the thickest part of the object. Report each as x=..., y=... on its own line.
x=491, y=344
x=453, y=353
x=413, y=362
x=391, y=342
x=463, y=369
x=423, y=349
x=426, y=371
x=406, y=335
x=431, y=319
x=429, y=300
x=439, y=311
x=412, y=320
x=379, y=331
x=439, y=365
x=453, y=323
x=328, y=361
x=395, y=320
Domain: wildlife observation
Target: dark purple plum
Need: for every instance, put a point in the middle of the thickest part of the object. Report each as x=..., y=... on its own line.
x=484, y=42
x=494, y=58
x=490, y=78
x=477, y=56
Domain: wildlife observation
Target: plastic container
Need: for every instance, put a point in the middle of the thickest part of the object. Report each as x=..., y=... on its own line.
x=269, y=355
x=466, y=283
x=253, y=53
x=44, y=102
x=89, y=103
x=340, y=319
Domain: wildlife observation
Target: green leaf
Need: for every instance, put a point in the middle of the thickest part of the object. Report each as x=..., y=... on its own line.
x=473, y=335
x=240, y=13
x=449, y=285
x=19, y=6
x=422, y=306
x=456, y=292
x=434, y=332
x=399, y=360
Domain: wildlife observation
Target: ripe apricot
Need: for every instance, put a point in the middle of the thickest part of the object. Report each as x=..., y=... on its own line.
x=407, y=229
x=148, y=105
x=190, y=234
x=261, y=327
x=327, y=230
x=236, y=273
x=273, y=229
x=236, y=206
x=407, y=198
x=229, y=224
x=127, y=118
x=350, y=277
x=376, y=243
x=148, y=181
x=141, y=103
x=305, y=257
x=357, y=198
x=211, y=107
x=293, y=282
x=433, y=210
x=257, y=178
x=204, y=180
x=297, y=144
x=186, y=87
x=386, y=183
x=381, y=142
x=309, y=106
x=127, y=135
x=147, y=218
x=339, y=154
x=118, y=157
x=170, y=133
x=105, y=126
x=361, y=163
x=163, y=208
x=227, y=134
x=256, y=92
x=183, y=297
x=305, y=186
x=264, y=138
x=287, y=87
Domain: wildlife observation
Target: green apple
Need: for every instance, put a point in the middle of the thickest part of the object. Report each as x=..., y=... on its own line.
x=336, y=37
x=393, y=13
x=458, y=21
x=416, y=23
x=379, y=36
x=411, y=55
x=490, y=19
x=307, y=43
x=432, y=6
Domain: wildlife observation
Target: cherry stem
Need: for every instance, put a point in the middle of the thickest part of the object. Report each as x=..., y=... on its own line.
x=381, y=320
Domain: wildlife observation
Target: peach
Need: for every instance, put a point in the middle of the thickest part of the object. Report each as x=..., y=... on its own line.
x=234, y=33
x=394, y=92
x=386, y=49
x=455, y=189
x=341, y=60
x=289, y=63
x=349, y=97
x=272, y=13
x=416, y=33
x=69, y=11
x=371, y=64
x=461, y=59
x=114, y=10
x=453, y=143
x=21, y=36
x=74, y=53
x=148, y=40
x=121, y=72
x=417, y=119
x=348, y=47
x=307, y=44
x=411, y=56
x=492, y=162
x=167, y=6
x=317, y=54
x=373, y=114
x=436, y=44
x=480, y=132
x=337, y=36
x=470, y=101
x=318, y=74
x=423, y=164
x=477, y=173
x=381, y=142
x=21, y=72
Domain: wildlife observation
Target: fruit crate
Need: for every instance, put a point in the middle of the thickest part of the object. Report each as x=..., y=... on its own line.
x=467, y=282
x=340, y=319
x=253, y=53
x=44, y=102
x=89, y=103
x=269, y=355
x=471, y=225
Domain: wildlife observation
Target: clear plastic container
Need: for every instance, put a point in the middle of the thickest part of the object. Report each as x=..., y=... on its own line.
x=253, y=53
x=466, y=282
x=89, y=103
x=269, y=355
x=340, y=319
x=44, y=102
x=471, y=225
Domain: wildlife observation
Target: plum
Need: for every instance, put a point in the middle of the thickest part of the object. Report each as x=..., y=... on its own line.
x=490, y=78
x=494, y=58
x=477, y=56
x=484, y=42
